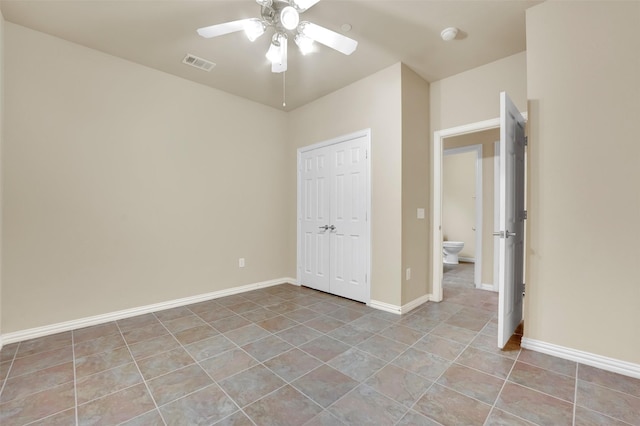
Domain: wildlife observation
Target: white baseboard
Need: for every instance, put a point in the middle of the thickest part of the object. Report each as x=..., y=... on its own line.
x=395, y=309
x=32, y=333
x=387, y=307
x=587, y=358
x=415, y=303
x=488, y=287
x=467, y=259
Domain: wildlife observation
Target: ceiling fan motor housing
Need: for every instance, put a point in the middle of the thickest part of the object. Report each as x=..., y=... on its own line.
x=281, y=15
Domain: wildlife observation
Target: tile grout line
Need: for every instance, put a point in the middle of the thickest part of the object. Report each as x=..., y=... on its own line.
x=272, y=334
x=196, y=362
x=374, y=334
x=322, y=363
x=493, y=407
x=140, y=372
x=388, y=363
x=261, y=363
x=75, y=378
x=287, y=383
x=435, y=381
x=13, y=359
x=575, y=395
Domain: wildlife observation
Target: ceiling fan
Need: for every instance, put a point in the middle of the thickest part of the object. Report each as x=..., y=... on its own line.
x=284, y=17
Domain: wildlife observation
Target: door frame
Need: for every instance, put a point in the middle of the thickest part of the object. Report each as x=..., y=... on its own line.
x=366, y=133
x=477, y=149
x=436, y=194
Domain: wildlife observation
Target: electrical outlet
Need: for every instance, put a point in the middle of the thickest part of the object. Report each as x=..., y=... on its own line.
x=241, y=262
x=408, y=274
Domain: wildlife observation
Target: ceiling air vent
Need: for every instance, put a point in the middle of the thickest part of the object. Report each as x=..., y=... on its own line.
x=197, y=62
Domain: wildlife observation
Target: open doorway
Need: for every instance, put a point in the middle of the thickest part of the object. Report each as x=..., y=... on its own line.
x=469, y=193
x=512, y=213
x=462, y=208
x=467, y=134
x=485, y=134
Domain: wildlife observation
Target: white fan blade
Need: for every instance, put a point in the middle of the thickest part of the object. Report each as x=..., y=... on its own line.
x=329, y=38
x=222, y=29
x=303, y=5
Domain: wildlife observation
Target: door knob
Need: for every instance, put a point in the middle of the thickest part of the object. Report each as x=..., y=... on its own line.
x=324, y=228
x=503, y=234
x=332, y=228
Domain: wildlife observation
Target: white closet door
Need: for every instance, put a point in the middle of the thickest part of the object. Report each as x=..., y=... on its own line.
x=314, y=217
x=348, y=219
x=333, y=198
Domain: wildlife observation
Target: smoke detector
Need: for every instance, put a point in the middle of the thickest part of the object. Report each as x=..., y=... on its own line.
x=449, y=34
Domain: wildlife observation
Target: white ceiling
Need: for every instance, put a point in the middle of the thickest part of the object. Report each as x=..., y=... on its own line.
x=159, y=33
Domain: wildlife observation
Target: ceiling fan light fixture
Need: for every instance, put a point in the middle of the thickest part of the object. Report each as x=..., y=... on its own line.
x=254, y=28
x=277, y=53
x=304, y=43
x=289, y=18
x=265, y=3
x=277, y=47
x=273, y=53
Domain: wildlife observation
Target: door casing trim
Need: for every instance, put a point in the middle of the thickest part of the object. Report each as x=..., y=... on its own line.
x=436, y=194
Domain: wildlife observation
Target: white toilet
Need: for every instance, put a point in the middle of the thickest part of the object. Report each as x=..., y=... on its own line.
x=450, y=250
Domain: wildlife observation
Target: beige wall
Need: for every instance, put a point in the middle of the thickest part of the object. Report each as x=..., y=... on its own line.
x=487, y=139
x=2, y=24
x=415, y=184
x=583, y=291
x=125, y=186
x=458, y=200
x=474, y=95
x=375, y=103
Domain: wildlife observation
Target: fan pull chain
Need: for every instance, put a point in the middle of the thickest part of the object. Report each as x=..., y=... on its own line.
x=284, y=90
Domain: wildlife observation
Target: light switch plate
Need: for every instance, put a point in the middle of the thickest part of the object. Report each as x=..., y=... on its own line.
x=420, y=213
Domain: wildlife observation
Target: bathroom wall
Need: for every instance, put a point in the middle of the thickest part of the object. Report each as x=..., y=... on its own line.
x=458, y=200
x=486, y=139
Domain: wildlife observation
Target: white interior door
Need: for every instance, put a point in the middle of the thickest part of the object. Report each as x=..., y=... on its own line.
x=314, y=218
x=333, y=239
x=511, y=232
x=348, y=220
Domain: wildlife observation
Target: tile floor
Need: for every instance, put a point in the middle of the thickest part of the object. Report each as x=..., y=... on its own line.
x=288, y=355
x=460, y=275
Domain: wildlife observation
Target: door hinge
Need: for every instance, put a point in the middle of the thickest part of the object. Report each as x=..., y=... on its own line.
x=366, y=154
x=365, y=278
x=524, y=215
x=526, y=141
x=524, y=287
